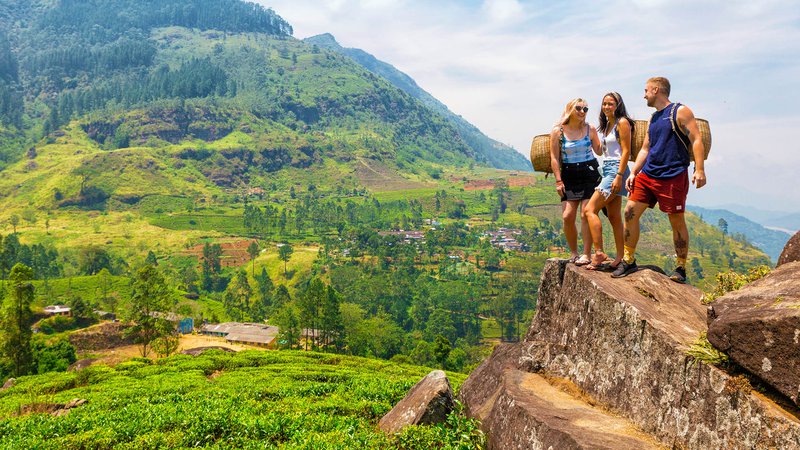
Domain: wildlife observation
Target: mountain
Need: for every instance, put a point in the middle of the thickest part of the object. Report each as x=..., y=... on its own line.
x=770, y=241
x=499, y=155
x=149, y=75
x=781, y=220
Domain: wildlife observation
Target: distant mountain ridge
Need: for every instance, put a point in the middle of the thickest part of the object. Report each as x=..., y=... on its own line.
x=770, y=241
x=499, y=155
x=773, y=219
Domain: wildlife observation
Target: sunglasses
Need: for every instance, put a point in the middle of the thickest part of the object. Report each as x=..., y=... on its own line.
x=581, y=108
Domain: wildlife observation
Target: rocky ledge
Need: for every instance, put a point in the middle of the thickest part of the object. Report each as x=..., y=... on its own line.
x=622, y=344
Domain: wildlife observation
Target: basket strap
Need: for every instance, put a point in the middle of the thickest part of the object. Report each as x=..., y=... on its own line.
x=673, y=120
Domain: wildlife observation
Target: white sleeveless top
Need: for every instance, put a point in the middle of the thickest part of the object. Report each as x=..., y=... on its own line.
x=611, y=147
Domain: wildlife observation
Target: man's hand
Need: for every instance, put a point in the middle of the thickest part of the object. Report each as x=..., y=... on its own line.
x=699, y=178
x=629, y=182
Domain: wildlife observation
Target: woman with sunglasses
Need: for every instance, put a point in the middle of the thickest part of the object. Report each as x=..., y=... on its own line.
x=615, y=130
x=576, y=170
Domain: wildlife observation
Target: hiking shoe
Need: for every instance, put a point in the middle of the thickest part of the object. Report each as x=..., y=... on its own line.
x=678, y=275
x=624, y=269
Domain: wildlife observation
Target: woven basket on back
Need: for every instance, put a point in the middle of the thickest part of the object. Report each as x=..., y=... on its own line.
x=540, y=147
x=640, y=130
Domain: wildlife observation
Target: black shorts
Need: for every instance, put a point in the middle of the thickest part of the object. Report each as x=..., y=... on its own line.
x=580, y=179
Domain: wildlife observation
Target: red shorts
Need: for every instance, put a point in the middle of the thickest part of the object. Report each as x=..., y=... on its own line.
x=669, y=193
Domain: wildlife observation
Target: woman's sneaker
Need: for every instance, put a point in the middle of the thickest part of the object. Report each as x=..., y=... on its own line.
x=624, y=269
x=678, y=275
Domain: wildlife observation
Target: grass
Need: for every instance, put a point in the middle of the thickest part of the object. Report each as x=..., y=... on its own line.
x=250, y=399
x=702, y=350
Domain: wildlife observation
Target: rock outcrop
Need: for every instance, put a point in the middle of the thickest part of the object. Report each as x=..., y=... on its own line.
x=791, y=251
x=622, y=342
x=758, y=326
x=11, y=382
x=428, y=402
x=102, y=336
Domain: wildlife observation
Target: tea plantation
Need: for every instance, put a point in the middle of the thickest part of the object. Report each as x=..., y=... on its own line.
x=251, y=399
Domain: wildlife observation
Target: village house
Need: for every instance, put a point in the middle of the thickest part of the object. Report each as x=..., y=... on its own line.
x=58, y=310
x=258, y=334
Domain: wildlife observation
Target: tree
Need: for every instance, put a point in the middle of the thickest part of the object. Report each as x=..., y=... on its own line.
x=93, y=259
x=151, y=259
x=289, y=327
x=331, y=324
x=150, y=300
x=441, y=350
x=261, y=308
x=55, y=357
x=237, y=297
x=697, y=268
x=310, y=304
x=723, y=225
x=166, y=344
x=14, y=221
x=284, y=253
x=81, y=310
x=212, y=266
x=106, y=283
x=252, y=250
x=17, y=319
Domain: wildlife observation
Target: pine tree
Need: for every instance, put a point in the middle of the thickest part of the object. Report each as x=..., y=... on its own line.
x=150, y=300
x=17, y=319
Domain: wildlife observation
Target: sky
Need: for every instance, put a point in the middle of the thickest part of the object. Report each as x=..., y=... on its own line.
x=510, y=66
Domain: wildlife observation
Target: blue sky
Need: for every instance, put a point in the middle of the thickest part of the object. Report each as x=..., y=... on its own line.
x=509, y=66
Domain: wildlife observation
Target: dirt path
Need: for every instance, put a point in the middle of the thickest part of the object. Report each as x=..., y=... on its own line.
x=117, y=355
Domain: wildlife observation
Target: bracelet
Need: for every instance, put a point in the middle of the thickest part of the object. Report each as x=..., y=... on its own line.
x=620, y=173
x=559, y=181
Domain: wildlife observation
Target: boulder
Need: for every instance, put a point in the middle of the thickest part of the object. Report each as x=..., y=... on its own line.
x=11, y=382
x=428, y=402
x=791, y=251
x=758, y=326
x=81, y=364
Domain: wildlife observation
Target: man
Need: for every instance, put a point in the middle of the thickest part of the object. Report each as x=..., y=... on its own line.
x=660, y=174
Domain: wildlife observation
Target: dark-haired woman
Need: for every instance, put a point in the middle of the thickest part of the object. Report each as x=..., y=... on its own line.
x=575, y=167
x=615, y=130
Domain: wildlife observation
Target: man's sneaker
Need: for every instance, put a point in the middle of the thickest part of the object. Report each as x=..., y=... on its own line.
x=624, y=269
x=678, y=275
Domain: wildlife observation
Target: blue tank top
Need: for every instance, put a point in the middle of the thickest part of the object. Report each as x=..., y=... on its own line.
x=579, y=150
x=669, y=155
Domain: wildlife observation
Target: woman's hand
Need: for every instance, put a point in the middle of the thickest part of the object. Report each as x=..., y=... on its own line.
x=616, y=185
x=560, y=188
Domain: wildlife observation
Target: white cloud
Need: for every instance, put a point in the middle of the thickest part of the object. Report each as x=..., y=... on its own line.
x=509, y=66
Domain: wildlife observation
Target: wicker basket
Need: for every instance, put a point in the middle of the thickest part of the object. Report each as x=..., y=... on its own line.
x=540, y=153
x=540, y=147
x=641, y=130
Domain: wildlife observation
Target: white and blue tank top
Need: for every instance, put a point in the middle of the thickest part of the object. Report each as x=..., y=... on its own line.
x=578, y=150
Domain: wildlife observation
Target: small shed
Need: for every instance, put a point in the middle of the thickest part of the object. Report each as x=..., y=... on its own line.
x=58, y=310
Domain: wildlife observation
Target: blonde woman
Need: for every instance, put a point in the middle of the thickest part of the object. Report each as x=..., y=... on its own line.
x=573, y=145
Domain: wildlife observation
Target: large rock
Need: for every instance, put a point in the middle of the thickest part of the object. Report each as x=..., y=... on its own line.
x=758, y=326
x=526, y=411
x=623, y=343
x=428, y=402
x=791, y=251
x=11, y=382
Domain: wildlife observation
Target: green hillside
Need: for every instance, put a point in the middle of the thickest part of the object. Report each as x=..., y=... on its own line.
x=769, y=241
x=251, y=399
x=497, y=154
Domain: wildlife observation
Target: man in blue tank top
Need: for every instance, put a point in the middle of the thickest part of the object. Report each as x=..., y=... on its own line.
x=660, y=174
